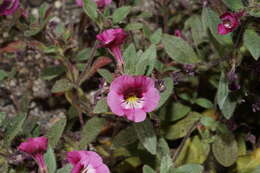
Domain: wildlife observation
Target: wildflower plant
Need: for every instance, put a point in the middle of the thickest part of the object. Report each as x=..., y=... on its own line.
x=99, y=86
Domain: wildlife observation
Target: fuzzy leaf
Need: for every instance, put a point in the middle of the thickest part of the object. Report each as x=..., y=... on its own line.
x=107, y=75
x=101, y=106
x=125, y=137
x=55, y=132
x=146, y=135
x=234, y=5
x=225, y=149
x=14, y=128
x=50, y=73
x=156, y=37
x=66, y=169
x=90, y=8
x=147, y=169
x=50, y=160
x=179, y=50
x=181, y=128
x=252, y=43
x=62, y=85
x=120, y=14
x=90, y=131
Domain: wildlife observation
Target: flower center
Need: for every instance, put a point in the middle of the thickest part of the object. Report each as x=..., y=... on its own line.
x=132, y=102
x=132, y=99
x=227, y=24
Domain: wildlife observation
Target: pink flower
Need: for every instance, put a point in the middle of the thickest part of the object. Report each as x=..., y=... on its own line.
x=178, y=33
x=113, y=39
x=230, y=21
x=87, y=162
x=8, y=7
x=100, y=3
x=36, y=147
x=132, y=97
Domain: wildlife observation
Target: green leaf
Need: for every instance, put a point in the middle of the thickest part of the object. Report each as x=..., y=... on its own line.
x=162, y=148
x=225, y=149
x=84, y=54
x=90, y=131
x=55, y=132
x=252, y=43
x=66, y=169
x=209, y=122
x=148, y=169
x=131, y=59
x=176, y=111
x=195, y=150
x=107, y=75
x=229, y=107
x=101, y=106
x=205, y=103
x=211, y=20
x=156, y=37
x=189, y=168
x=3, y=74
x=146, y=135
x=125, y=137
x=223, y=90
x=234, y=5
x=199, y=33
x=14, y=128
x=166, y=164
x=133, y=26
x=167, y=92
x=62, y=85
x=120, y=14
x=147, y=61
x=50, y=160
x=90, y=8
x=179, y=50
x=181, y=128
x=50, y=73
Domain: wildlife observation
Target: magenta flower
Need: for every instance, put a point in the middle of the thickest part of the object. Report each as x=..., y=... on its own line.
x=100, y=3
x=86, y=162
x=113, y=39
x=36, y=147
x=230, y=21
x=132, y=97
x=178, y=33
x=8, y=7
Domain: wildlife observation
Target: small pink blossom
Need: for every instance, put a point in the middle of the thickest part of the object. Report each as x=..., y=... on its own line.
x=36, y=147
x=132, y=97
x=113, y=39
x=100, y=3
x=8, y=7
x=178, y=33
x=230, y=21
x=87, y=162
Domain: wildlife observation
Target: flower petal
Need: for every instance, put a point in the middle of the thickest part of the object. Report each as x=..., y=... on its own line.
x=222, y=30
x=136, y=115
x=151, y=99
x=102, y=169
x=114, y=101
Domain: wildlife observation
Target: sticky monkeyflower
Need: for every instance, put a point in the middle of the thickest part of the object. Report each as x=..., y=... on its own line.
x=100, y=3
x=132, y=97
x=230, y=21
x=8, y=7
x=36, y=147
x=113, y=39
x=86, y=162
